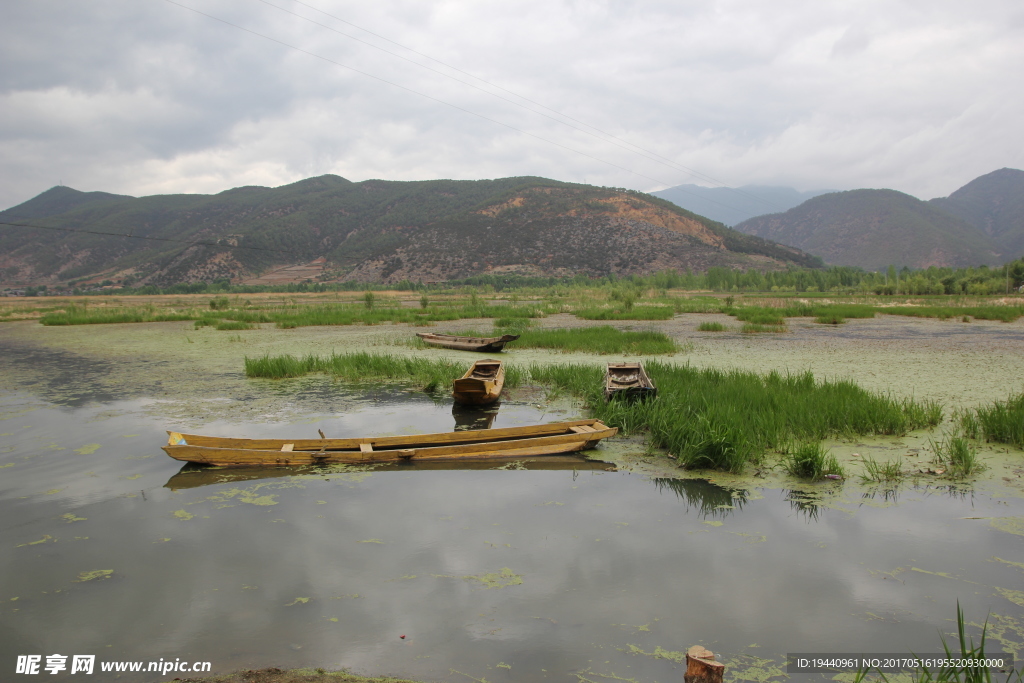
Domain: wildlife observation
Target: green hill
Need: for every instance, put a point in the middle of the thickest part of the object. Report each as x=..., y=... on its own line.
x=993, y=203
x=875, y=228
x=372, y=230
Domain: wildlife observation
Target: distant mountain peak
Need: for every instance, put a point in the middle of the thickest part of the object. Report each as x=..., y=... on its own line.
x=732, y=205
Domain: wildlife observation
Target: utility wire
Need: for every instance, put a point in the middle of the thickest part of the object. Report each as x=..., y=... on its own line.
x=613, y=139
x=432, y=98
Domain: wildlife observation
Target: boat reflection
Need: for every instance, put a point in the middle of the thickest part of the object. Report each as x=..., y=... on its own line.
x=193, y=476
x=474, y=417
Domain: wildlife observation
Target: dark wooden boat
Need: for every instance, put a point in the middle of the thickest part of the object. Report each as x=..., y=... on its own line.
x=509, y=442
x=482, y=344
x=628, y=380
x=481, y=384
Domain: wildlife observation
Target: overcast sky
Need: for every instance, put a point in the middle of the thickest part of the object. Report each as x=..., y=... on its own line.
x=146, y=97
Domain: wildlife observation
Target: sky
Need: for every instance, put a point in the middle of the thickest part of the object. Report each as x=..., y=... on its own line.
x=147, y=97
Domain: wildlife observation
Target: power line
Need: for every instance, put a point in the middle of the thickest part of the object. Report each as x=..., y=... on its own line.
x=449, y=104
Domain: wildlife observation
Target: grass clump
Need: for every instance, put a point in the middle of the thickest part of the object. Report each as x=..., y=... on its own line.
x=511, y=325
x=233, y=325
x=626, y=313
x=830, y=319
x=811, y=461
x=711, y=327
x=958, y=456
x=875, y=471
x=759, y=316
x=601, y=340
x=1002, y=422
x=758, y=328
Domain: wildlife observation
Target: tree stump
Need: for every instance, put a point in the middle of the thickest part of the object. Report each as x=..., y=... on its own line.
x=701, y=666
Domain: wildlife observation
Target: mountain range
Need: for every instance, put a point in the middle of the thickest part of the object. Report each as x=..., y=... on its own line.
x=981, y=223
x=373, y=230
x=732, y=205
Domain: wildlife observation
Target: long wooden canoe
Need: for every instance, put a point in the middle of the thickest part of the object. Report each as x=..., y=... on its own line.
x=482, y=344
x=508, y=442
x=628, y=380
x=481, y=384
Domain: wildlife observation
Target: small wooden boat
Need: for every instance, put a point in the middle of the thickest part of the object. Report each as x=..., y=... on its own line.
x=481, y=384
x=482, y=344
x=508, y=442
x=628, y=380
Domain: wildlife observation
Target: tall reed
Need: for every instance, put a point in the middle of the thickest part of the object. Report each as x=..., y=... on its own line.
x=1003, y=421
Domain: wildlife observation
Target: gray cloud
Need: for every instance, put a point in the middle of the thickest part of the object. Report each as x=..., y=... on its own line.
x=141, y=98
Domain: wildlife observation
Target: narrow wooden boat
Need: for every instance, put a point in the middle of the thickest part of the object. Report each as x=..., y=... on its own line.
x=508, y=442
x=482, y=344
x=628, y=380
x=481, y=384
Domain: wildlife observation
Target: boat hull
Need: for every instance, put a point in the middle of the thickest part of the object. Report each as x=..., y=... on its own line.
x=479, y=344
x=481, y=385
x=511, y=442
x=628, y=381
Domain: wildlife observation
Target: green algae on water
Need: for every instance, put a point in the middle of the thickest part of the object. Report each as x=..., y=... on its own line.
x=95, y=574
x=1011, y=525
x=501, y=579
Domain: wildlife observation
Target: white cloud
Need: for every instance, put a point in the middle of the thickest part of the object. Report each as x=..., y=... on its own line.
x=150, y=97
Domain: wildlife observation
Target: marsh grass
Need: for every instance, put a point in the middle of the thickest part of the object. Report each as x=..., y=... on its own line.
x=234, y=325
x=1002, y=422
x=601, y=340
x=626, y=313
x=373, y=311
x=711, y=327
x=428, y=374
x=830, y=319
x=875, y=471
x=958, y=455
x=512, y=325
x=79, y=315
x=716, y=419
x=758, y=328
x=1006, y=314
x=810, y=461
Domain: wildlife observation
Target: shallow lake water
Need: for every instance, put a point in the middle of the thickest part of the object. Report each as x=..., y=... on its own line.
x=111, y=548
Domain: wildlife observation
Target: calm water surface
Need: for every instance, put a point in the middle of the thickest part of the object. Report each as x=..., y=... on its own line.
x=109, y=548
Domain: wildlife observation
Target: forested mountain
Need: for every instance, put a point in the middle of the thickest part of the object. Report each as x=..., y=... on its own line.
x=731, y=205
x=993, y=203
x=372, y=231
x=875, y=228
